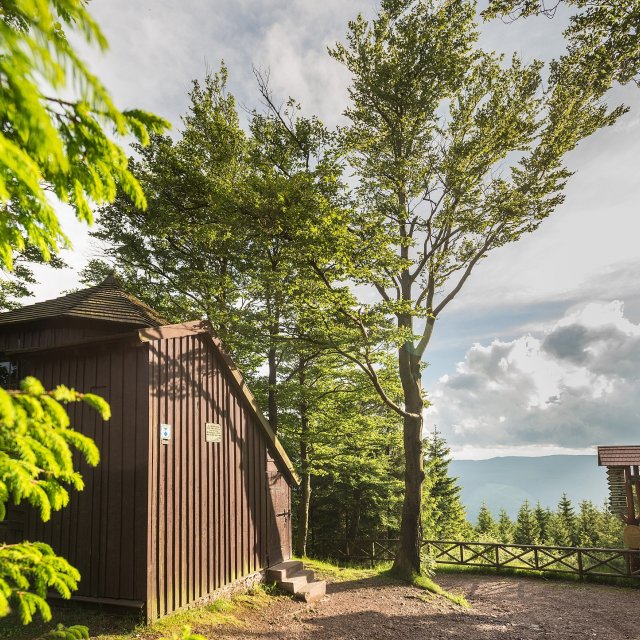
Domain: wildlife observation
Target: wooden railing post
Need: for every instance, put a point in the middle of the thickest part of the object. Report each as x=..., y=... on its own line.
x=589, y=561
x=580, y=567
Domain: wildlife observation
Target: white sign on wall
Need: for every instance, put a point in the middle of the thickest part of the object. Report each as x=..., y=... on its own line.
x=213, y=432
x=165, y=433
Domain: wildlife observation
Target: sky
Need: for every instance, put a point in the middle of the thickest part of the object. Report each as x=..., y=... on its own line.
x=540, y=353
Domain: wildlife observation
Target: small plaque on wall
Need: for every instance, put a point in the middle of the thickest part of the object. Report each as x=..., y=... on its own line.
x=165, y=433
x=213, y=432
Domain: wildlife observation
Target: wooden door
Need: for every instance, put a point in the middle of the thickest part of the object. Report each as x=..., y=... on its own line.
x=279, y=521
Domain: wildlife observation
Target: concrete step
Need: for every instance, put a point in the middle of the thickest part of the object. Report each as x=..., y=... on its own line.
x=293, y=583
x=312, y=591
x=284, y=570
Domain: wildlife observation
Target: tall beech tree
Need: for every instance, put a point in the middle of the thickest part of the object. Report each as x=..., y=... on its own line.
x=603, y=36
x=456, y=152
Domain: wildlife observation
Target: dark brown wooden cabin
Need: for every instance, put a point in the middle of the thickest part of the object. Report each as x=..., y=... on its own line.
x=193, y=490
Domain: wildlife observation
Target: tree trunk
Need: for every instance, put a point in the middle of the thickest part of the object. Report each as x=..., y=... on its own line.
x=407, y=560
x=354, y=523
x=303, y=513
x=305, y=475
x=272, y=400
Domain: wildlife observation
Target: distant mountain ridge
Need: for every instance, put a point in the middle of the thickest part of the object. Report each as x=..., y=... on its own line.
x=504, y=483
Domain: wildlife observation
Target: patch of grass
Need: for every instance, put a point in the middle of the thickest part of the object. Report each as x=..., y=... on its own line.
x=217, y=613
x=422, y=582
x=108, y=626
x=336, y=573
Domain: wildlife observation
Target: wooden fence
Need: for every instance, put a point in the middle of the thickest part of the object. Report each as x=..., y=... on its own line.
x=619, y=563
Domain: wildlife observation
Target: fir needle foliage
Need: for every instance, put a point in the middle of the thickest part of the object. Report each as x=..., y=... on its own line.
x=74, y=632
x=50, y=145
x=57, y=129
x=36, y=466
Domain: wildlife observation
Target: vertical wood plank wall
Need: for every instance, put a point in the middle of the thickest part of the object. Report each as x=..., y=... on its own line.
x=163, y=525
x=208, y=501
x=103, y=530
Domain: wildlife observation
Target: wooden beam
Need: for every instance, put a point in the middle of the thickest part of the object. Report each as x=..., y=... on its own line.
x=194, y=327
x=636, y=471
x=128, y=336
x=631, y=511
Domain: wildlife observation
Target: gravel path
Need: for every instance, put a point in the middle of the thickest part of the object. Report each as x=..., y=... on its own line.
x=505, y=608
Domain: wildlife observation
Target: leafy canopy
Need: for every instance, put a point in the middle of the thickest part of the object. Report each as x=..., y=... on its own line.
x=603, y=36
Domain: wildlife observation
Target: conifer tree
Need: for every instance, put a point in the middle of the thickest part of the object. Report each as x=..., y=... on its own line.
x=444, y=513
x=566, y=522
x=50, y=145
x=527, y=530
x=543, y=515
x=588, y=524
x=505, y=527
x=486, y=526
x=610, y=529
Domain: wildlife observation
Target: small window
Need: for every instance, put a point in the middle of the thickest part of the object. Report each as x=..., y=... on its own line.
x=8, y=374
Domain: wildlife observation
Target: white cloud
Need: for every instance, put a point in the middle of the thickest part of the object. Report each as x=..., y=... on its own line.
x=571, y=386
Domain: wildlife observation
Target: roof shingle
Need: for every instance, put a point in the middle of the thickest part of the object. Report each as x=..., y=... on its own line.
x=105, y=301
x=619, y=456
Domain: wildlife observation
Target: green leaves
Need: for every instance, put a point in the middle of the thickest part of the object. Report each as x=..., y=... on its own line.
x=603, y=39
x=50, y=145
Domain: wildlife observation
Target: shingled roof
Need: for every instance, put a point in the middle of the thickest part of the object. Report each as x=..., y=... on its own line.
x=619, y=456
x=106, y=301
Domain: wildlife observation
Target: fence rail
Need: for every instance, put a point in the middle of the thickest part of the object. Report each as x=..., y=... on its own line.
x=583, y=561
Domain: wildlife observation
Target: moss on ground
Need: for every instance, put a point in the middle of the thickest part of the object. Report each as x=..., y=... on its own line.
x=335, y=573
x=423, y=582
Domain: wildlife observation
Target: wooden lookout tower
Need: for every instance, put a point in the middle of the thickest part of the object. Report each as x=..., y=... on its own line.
x=623, y=476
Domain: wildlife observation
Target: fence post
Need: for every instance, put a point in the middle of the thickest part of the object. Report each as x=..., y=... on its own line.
x=497, y=557
x=580, y=567
x=373, y=554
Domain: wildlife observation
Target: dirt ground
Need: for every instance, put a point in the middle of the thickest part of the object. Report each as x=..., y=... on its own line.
x=507, y=608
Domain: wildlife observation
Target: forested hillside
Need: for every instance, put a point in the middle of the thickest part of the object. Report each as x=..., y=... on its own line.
x=506, y=482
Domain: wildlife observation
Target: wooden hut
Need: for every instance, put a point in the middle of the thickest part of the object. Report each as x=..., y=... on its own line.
x=623, y=476
x=193, y=490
